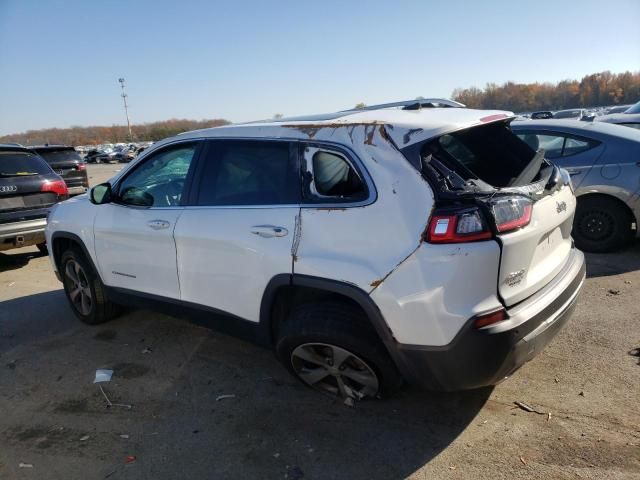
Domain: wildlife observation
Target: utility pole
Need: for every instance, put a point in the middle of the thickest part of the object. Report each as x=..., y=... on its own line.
x=126, y=108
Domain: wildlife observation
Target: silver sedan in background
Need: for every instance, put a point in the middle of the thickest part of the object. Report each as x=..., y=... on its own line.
x=604, y=162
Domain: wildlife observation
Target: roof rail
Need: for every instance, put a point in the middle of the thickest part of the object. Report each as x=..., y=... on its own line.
x=415, y=104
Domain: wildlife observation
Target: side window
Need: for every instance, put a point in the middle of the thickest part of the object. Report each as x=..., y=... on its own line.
x=552, y=144
x=574, y=145
x=249, y=173
x=332, y=177
x=160, y=180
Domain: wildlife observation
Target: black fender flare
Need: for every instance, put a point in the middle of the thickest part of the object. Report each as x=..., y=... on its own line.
x=76, y=239
x=351, y=291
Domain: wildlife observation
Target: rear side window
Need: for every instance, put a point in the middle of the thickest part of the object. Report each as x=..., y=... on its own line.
x=245, y=173
x=557, y=145
x=16, y=163
x=552, y=144
x=331, y=177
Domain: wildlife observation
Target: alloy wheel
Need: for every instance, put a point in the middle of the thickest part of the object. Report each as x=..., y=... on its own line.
x=335, y=371
x=78, y=287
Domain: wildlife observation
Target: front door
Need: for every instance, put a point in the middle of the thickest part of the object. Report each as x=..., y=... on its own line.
x=239, y=231
x=134, y=234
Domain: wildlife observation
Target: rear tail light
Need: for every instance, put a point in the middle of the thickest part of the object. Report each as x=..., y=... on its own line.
x=490, y=318
x=458, y=227
x=81, y=166
x=511, y=213
x=56, y=186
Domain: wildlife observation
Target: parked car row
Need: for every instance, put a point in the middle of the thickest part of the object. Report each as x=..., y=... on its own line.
x=108, y=153
x=628, y=115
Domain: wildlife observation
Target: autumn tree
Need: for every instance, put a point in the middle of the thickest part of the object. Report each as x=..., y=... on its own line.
x=597, y=89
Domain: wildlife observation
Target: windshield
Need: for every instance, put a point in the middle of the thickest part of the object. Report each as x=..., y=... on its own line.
x=634, y=109
x=13, y=164
x=54, y=156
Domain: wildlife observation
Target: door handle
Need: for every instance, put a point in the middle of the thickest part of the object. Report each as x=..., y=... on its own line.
x=269, y=231
x=574, y=171
x=158, y=224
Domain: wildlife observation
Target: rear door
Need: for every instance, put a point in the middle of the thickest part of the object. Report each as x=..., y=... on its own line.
x=134, y=234
x=238, y=232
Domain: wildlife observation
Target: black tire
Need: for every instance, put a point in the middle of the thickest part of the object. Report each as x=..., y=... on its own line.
x=601, y=224
x=343, y=326
x=43, y=248
x=100, y=309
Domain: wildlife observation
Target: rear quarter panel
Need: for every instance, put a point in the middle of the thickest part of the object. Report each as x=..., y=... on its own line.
x=617, y=174
x=362, y=245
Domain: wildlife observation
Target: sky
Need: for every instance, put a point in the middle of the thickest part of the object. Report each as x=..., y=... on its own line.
x=246, y=60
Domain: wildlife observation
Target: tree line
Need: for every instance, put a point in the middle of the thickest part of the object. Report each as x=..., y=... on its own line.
x=597, y=89
x=96, y=135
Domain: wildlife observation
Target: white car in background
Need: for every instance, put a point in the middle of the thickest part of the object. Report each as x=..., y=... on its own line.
x=417, y=241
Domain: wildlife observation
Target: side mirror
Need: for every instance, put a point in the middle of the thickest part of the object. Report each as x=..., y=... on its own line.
x=100, y=194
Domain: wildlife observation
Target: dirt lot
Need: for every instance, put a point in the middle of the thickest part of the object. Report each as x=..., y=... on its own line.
x=172, y=371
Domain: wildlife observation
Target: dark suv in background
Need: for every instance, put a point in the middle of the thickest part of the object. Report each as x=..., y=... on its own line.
x=67, y=163
x=28, y=188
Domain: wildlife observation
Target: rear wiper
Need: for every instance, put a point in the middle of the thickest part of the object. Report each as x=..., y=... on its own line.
x=20, y=174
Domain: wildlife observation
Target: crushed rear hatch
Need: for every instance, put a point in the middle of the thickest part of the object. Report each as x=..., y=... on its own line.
x=526, y=203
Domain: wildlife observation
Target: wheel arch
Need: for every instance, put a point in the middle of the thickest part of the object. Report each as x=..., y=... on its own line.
x=61, y=241
x=284, y=291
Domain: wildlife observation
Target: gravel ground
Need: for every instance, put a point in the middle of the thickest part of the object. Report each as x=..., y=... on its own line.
x=171, y=371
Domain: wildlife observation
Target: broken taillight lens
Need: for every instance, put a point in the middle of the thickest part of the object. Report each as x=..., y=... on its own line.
x=511, y=213
x=457, y=227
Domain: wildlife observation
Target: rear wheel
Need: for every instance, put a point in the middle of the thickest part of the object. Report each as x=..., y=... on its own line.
x=331, y=348
x=84, y=290
x=601, y=225
x=43, y=248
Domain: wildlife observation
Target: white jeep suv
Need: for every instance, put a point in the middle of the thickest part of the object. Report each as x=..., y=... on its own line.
x=417, y=241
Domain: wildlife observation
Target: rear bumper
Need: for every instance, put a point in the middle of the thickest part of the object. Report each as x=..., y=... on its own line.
x=22, y=234
x=478, y=358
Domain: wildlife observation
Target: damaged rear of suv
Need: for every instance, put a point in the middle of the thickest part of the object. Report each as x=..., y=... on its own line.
x=417, y=241
x=490, y=189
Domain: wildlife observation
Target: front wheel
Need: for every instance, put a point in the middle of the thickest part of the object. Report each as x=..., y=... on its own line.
x=331, y=348
x=84, y=290
x=601, y=225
